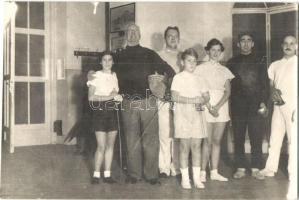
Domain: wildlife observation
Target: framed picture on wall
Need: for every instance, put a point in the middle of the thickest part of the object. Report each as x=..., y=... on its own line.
x=117, y=42
x=120, y=16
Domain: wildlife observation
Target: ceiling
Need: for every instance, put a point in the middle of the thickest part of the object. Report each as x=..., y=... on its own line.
x=258, y=5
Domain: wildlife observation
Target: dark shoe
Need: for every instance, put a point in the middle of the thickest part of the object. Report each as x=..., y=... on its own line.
x=109, y=180
x=154, y=181
x=131, y=180
x=240, y=173
x=257, y=175
x=163, y=175
x=95, y=180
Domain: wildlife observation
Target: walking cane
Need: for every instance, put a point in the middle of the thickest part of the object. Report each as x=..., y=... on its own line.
x=119, y=138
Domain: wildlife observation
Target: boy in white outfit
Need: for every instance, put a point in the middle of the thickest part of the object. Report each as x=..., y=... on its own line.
x=187, y=90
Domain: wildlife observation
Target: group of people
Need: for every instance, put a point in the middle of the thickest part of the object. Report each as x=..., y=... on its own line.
x=192, y=114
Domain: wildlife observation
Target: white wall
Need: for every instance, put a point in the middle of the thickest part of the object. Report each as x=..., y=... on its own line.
x=198, y=23
x=84, y=30
x=76, y=27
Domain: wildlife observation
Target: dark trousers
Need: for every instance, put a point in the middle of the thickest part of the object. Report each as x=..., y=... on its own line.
x=244, y=114
x=140, y=125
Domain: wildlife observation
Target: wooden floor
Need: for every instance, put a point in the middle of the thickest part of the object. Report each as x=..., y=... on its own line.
x=54, y=171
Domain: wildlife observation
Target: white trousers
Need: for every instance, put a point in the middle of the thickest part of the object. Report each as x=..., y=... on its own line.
x=293, y=185
x=281, y=123
x=169, y=146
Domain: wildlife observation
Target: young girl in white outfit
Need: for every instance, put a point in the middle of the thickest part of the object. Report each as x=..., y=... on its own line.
x=102, y=94
x=190, y=126
x=218, y=79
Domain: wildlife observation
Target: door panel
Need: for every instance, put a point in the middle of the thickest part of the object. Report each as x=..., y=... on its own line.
x=37, y=103
x=37, y=55
x=282, y=24
x=21, y=57
x=21, y=103
x=253, y=23
x=22, y=15
x=37, y=15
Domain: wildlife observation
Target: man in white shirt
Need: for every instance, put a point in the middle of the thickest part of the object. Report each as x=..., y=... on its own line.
x=168, y=154
x=283, y=82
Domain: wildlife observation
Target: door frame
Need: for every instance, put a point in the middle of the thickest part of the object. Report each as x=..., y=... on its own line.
x=8, y=93
x=52, y=30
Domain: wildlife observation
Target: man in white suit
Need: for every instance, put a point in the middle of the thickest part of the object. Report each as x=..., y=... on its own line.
x=283, y=82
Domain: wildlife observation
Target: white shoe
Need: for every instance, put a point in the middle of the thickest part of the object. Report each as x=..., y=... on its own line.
x=185, y=179
x=267, y=173
x=199, y=184
x=196, y=178
x=203, y=176
x=218, y=177
x=186, y=184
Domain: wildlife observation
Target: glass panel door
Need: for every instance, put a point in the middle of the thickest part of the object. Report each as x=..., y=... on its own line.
x=282, y=24
x=21, y=57
x=32, y=87
x=254, y=23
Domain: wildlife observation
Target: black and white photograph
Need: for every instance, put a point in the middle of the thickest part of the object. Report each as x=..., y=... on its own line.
x=149, y=100
x=120, y=16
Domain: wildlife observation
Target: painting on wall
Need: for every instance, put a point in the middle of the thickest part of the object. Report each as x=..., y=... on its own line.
x=117, y=42
x=120, y=16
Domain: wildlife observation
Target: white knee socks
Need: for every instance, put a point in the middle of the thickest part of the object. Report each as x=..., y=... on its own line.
x=185, y=178
x=196, y=178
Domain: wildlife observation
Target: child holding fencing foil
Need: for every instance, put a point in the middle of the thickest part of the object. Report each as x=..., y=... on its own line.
x=102, y=94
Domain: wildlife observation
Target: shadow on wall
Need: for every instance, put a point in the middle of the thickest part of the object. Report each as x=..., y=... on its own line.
x=157, y=41
x=227, y=45
x=77, y=92
x=79, y=98
x=199, y=48
x=76, y=98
